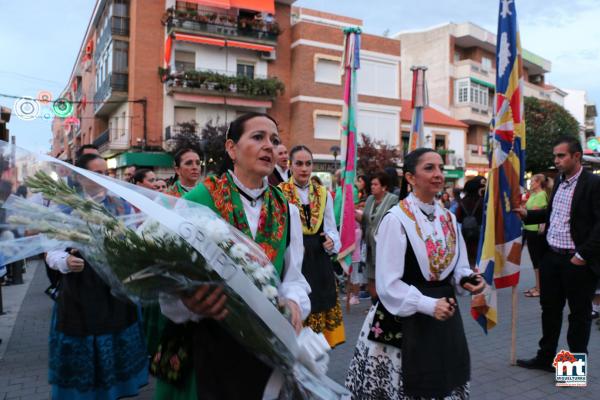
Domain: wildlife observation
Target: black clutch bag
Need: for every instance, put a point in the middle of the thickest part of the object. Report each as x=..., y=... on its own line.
x=386, y=328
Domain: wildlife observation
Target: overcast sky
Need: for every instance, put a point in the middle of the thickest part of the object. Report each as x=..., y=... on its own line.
x=39, y=40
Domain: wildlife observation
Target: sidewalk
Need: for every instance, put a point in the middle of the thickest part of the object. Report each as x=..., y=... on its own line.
x=23, y=371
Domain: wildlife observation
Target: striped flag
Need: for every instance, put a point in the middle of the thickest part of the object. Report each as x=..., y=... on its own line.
x=420, y=100
x=499, y=254
x=350, y=64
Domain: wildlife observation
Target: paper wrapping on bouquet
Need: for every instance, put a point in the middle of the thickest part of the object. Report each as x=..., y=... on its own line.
x=301, y=364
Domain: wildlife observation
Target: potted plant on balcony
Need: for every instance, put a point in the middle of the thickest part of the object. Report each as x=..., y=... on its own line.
x=163, y=73
x=212, y=17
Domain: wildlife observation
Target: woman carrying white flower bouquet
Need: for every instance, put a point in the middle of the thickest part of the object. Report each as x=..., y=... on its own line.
x=97, y=348
x=222, y=367
x=321, y=241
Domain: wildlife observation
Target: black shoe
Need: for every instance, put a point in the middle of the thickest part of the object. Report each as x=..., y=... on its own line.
x=535, y=363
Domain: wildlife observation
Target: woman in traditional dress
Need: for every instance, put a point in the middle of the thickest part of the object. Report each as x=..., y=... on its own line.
x=97, y=348
x=145, y=178
x=187, y=172
x=412, y=344
x=321, y=241
x=377, y=204
x=223, y=368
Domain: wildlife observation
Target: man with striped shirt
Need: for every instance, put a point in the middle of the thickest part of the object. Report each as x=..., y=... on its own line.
x=571, y=265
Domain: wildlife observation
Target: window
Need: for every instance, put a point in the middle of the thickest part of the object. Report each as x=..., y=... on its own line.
x=185, y=60
x=440, y=142
x=124, y=122
x=380, y=125
x=327, y=127
x=184, y=114
x=405, y=142
x=486, y=63
x=456, y=56
x=245, y=69
x=327, y=71
x=378, y=78
x=470, y=92
x=121, y=56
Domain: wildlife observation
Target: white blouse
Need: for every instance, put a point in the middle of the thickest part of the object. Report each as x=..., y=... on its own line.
x=329, y=226
x=293, y=287
x=398, y=297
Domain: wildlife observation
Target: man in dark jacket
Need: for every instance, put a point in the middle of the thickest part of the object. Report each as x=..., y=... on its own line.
x=571, y=264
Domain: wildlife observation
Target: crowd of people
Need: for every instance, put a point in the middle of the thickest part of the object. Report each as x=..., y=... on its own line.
x=415, y=251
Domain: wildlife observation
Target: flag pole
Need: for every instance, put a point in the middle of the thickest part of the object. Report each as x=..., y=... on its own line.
x=513, y=331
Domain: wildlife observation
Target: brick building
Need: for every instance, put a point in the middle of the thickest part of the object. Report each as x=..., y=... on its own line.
x=316, y=86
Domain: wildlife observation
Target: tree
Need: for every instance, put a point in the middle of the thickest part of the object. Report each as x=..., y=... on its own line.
x=208, y=142
x=375, y=155
x=545, y=121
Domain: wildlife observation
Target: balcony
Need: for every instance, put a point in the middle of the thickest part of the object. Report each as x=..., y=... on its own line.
x=108, y=146
x=172, y=130
x=112, y=91
x=472, y=113
x=537, y=91
x=223, y=84
x=222, y=26
x=119, y=26
x=473, y=69
x=477, y=154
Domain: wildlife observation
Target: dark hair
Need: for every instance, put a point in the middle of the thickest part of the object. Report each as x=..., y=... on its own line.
x=181, y=152
x=84, y=160
x=5, y=189
x=393, y=175
x=383, y=178
x=298, y=148
x=235, y=132
x=473, y=186
x=84, y=147
x=572, y=141
x=411, y=160
x=140, y=175
x=367, y=180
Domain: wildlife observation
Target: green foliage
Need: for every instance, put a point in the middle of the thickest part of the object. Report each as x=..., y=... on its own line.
x=208, y=141
x=375, y=155
x=545, y=122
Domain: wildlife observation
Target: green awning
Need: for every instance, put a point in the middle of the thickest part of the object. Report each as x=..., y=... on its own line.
x=483, y=83
x=454, y=173
x=145, y=159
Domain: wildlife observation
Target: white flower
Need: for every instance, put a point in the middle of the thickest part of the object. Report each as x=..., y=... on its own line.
x=270, y=292
x=217, y=230
x=252, y=267
x=239, y=250
x=262, y=275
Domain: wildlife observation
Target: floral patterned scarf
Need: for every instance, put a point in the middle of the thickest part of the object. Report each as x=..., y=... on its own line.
x=317, y=197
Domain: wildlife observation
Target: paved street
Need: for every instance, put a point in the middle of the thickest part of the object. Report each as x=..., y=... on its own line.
x=23, y=368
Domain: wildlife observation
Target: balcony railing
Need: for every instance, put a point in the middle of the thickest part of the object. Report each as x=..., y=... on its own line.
x=116, y=81
x=172, y=130
x=227, y=26
x=118, y=26
x=223, y=83
x=102, y=139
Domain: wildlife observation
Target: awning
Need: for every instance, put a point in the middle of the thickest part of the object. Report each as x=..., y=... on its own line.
x=199, y=39
x=483, y=83
x=250, y=46
x=145, y=159
x=184, y=37
x=267, y=6
x=254, y=5
x=212, y=3
x=232, y=101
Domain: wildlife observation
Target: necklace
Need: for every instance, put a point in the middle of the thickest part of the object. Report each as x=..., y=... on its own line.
x=250, y=198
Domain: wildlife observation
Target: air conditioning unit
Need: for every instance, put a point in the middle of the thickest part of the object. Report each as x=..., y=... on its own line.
x=268, y=55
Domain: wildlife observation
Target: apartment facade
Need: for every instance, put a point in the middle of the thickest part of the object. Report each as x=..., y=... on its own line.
x=461, y=75
x=145, y=67
x=5, y=113
x=444, y=134
x=584, y=111
x=316, y=87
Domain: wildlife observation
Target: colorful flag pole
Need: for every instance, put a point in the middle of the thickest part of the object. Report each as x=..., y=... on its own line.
x=350, y=64
x=499, y=253
x=420, y=100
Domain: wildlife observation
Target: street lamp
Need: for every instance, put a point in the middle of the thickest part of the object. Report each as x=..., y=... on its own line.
x=335, y=150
